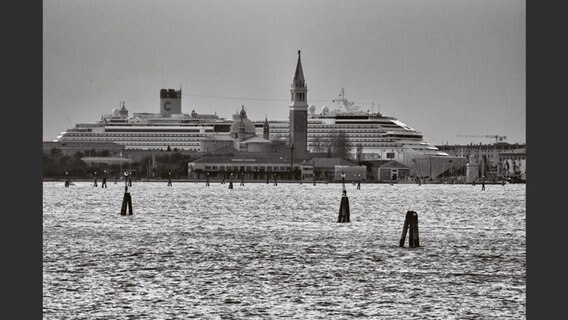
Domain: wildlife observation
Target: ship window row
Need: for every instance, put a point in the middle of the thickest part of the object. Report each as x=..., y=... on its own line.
x=156, y=144
x=161, y=139
x=247, y=168
x=348, y=135
x=159, y=130
x=351, y=139
x=365, y=145
x=133, y=135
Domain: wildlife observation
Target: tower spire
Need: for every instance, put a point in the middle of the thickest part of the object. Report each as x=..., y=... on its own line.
x=299, y=75
x=298, y=110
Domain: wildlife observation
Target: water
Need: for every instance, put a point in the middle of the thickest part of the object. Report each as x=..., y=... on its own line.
x=266, y=252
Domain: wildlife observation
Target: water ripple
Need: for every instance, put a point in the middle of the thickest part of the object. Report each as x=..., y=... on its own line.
x=263, y=252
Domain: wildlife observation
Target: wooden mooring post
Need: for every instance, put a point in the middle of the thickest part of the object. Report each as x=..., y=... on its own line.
x=169, y=179
x=231, y=182
x=410, y=226
x=344, y=212
x=127, y=200
x=207, y=182
x=104, y=184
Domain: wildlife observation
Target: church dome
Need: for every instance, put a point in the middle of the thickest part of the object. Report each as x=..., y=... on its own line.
x=249, y=126
x=242, y=120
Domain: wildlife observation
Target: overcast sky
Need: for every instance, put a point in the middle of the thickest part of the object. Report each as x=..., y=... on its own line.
x=443, y=67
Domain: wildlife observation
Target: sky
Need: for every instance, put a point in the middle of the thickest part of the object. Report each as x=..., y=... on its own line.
x=444, y=67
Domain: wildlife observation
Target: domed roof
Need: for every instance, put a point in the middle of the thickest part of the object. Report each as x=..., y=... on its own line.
x=242, y=119
x=312, y=108
x=249, y=126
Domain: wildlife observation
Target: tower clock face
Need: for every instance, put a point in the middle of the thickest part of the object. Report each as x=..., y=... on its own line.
x=167, y=106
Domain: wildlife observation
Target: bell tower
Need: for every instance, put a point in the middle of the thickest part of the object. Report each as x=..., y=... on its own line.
x=266, y=129
x=299, y=111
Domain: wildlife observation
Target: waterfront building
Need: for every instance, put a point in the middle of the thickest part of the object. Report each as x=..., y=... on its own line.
x=513, y=165
x=250, y=165
x=489, y=158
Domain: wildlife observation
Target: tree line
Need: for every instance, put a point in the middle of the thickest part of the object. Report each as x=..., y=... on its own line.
x=57, y=164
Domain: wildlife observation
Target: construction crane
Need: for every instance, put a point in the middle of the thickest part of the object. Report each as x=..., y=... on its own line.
x=496, y=137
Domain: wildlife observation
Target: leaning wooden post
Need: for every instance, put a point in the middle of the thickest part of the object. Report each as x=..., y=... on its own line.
x=410, y=226
x=127, y=200
x=344, y=214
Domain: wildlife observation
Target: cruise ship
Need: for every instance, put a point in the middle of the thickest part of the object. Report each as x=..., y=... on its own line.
x=369, y=135
x=150, y=131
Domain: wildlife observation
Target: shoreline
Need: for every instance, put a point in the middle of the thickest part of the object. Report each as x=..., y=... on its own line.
x=111, y=181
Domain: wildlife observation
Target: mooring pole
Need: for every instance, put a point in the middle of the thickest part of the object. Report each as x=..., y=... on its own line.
x=344, y=214
x=95, y=184
x=67, y=179
x=410, y=226
x=231, y=181
x=169, y=179
x=267, y=177
x=207, y=182
x=223, y=181
x=275, y=182
x=127, y=200
x=242, y=178
x=359, y=182
x=104, y=184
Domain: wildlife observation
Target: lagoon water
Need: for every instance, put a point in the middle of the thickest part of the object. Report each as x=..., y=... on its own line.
x=261, y=251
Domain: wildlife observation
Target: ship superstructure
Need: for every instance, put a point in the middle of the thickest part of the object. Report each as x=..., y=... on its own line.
x=369, y=135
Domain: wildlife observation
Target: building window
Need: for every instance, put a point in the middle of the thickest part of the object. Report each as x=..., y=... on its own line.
x=390, y=155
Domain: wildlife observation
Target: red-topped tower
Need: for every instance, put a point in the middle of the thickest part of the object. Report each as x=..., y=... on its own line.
x=299, y=111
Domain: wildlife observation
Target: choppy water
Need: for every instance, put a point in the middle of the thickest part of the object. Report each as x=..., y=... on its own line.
x=267, y=252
